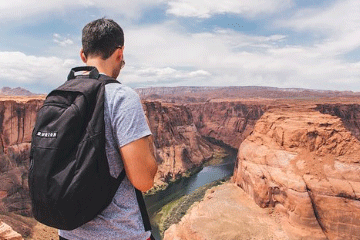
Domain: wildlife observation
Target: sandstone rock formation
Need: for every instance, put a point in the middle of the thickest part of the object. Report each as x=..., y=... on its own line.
x=349, y=114
x=184, y=133
x=179, y=145
x=226, y=213
x=7, y=233
x=306, y=165
x=17, y=119
x=229, y=122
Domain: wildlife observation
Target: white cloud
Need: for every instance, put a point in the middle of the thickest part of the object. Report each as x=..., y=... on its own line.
x=62, y=41
x=206, y=8
x=20, y=68
x=165, y=75
x=339, y=24
x=165, y=54
x=21, y=9
x=232, y=58
x=341, y=16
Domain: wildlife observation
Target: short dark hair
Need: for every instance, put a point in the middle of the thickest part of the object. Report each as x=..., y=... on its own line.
x=101, y=37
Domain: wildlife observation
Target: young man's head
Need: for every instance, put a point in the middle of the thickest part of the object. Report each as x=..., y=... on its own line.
x=103, y=46
x=100, y=38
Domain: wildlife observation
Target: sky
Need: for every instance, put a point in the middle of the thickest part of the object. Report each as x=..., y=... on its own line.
x=312, y=44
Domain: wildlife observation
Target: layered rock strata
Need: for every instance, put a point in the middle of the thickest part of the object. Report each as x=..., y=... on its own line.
x=180, y=147
x=17, y=119
x=349, y=114
x=306, y=165
x=229, y=122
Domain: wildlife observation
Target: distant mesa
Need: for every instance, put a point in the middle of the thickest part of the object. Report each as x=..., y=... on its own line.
x=184, y=94
x=18, y=91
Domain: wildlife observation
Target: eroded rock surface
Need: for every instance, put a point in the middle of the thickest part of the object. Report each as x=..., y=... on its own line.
x=17, y=119
x=226, y=213
x=306, y=165
x=7, y=233
x=229, y=122
x=180, y=147
x=349, y=114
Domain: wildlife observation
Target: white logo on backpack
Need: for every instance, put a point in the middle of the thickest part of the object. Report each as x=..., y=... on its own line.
x=47, y=134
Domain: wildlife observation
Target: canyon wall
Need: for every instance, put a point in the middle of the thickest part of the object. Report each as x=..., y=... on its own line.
x=186, y=135
x=229, y=122
x=306, y=165
x=16, y=123
x=348, y=113
x=180, y=147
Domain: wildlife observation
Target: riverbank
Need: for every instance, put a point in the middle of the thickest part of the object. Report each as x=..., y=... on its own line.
x=168, y=206
x=172, y=212
x=216, y=159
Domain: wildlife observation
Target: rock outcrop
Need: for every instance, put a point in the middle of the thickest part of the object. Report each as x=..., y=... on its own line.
x=226, y=213
x=307, y=165
x=7, y=233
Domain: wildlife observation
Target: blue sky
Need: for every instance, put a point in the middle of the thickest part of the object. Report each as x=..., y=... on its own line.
x=279, y=43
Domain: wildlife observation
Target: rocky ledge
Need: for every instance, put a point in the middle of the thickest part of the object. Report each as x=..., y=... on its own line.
x=307, y=165
x=226, y=213
x=7, y=233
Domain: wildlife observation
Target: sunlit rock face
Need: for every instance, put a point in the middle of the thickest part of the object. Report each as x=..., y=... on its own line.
x=307, y=165
x=7, y=233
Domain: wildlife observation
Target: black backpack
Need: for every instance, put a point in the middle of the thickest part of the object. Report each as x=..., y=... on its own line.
x=69, y=177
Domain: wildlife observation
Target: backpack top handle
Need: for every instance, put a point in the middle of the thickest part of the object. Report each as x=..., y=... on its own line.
x=94, y=73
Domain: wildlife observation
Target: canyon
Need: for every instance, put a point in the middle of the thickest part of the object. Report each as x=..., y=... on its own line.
x=301, y=161
x=273, y=136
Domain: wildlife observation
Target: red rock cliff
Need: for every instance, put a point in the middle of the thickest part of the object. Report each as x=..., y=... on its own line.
x=229, y=122
x=349, y=114
x=17, y=120
x=180, y=147
x=307, y=165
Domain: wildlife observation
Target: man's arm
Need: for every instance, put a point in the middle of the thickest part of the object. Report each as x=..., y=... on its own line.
x=139, y=162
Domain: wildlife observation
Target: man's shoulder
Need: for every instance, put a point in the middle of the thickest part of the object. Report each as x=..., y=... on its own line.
x=119, y=91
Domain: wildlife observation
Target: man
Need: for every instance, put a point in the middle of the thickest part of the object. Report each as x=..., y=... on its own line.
x=129, y=142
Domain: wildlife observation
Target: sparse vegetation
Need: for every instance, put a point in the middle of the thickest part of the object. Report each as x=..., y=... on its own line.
x=216, y=159
x=173, y=212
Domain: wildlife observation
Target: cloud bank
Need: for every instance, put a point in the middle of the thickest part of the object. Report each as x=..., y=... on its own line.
x=167, y=53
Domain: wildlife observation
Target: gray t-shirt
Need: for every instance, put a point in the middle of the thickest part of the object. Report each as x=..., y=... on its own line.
x=125, y=122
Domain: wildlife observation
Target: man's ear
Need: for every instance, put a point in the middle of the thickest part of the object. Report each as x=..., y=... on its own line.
x=82, y=55
x=121, y=52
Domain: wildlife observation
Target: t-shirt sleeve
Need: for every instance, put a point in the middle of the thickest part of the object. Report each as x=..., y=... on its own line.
x=128, y=117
